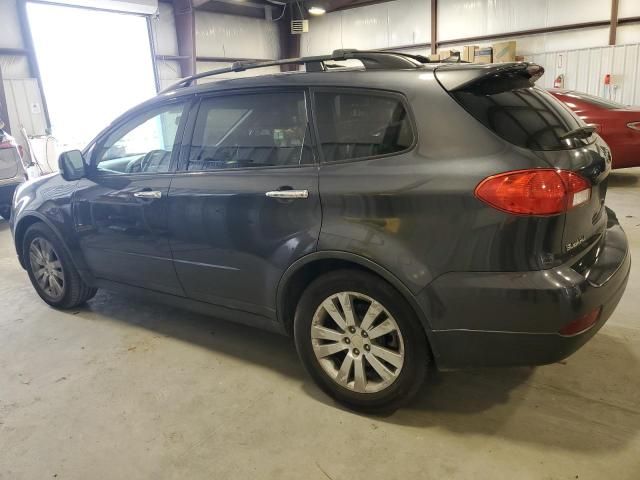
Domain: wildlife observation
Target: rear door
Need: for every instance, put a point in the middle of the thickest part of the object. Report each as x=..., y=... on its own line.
x=244, y=205
x=120, y=209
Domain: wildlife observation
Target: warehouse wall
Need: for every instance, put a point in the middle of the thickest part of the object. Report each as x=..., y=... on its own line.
x=165, y=40
x=584, y=70
x=382, y=25
x=12, y=66
x=405, y=22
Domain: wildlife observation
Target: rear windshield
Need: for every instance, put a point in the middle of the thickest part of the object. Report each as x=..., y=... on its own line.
x=525, y=116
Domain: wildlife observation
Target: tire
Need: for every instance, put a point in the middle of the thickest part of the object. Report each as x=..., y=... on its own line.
x=5, y=212
x=403, y=362
x=66, y=289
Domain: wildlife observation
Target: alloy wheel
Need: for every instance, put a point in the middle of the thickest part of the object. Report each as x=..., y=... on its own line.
x=357, y=342
x=46, y=267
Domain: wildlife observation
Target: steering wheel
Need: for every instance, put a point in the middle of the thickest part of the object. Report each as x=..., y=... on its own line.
x=140, y=165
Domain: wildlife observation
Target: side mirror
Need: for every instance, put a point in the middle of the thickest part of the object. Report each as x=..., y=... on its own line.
x=72, y=165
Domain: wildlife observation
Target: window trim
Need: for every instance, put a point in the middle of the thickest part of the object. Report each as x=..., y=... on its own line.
x=361, y=91
x=96, y=145
x=183, y=161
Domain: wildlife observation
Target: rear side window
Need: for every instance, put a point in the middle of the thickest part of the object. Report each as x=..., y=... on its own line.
x=527, y=116
x=251, y=130
x=360, y=125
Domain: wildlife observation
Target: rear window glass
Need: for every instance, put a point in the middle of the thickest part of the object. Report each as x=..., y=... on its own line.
x=525, y=116
x=361, y=125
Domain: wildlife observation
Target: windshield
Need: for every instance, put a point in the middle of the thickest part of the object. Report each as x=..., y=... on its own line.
x=599, y=101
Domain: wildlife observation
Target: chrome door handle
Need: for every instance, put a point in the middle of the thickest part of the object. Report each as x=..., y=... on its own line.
x=148, y=194
x=288, y=194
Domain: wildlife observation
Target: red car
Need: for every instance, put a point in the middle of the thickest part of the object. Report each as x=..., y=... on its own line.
x=617, y=124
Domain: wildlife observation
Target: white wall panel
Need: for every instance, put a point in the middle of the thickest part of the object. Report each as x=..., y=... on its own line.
x=14, y=67
x=204, y=66
x=366, y=27
x=629, y=8
x=383, y=25
x=409, y=22
x=585, y=69
x=168, y=72
x=325, y=35
x=10, y=35
x=24, y=104
x=462, y=18
x=219, y=35
x=164, y=31
x=628, y=33
x=470, y=18
x=574, y=11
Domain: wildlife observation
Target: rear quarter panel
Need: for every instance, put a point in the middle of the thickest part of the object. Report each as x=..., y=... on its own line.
x=415, y=213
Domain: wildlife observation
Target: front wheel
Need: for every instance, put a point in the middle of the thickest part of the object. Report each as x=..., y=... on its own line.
x=51, y=271
x=360, y=340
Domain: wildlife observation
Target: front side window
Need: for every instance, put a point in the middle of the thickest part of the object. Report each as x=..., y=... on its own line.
x=143, y=144
x=251, y=130
x=360, y=125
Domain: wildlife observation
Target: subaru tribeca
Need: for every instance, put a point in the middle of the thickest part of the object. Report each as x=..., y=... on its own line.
x=392, y=218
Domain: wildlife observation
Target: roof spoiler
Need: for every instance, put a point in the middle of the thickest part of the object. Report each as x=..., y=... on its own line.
x=456, y=77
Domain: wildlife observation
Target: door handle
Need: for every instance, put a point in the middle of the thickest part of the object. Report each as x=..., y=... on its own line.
x=288, y=194
x=148, y=194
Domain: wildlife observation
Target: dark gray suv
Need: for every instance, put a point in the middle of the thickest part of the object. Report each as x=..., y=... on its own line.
x=391, y=217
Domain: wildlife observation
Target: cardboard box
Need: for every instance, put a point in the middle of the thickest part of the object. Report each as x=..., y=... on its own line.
x=468, y=53
x=483, y=55
x=504, y=52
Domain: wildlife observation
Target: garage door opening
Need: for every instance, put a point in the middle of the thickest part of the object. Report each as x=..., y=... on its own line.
x=94, y=66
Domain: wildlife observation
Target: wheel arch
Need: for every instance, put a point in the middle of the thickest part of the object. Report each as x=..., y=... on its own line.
x=302, y=272
x=31, y=218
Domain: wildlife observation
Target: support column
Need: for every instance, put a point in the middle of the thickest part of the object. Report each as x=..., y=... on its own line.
x=186, y=34
x=613, y=27
x=434, y=26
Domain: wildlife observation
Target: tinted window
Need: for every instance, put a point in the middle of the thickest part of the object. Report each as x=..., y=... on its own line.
x=361, y=125
x=143, y=144
x=257, y=130
x=525, y=116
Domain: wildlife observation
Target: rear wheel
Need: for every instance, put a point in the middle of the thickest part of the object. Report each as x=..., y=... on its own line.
x=51, y=271
x=360, y=341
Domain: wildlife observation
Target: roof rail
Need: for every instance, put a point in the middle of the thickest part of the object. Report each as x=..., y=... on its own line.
x=372, y=60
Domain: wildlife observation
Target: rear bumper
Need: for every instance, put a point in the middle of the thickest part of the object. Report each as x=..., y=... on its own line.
x=502, y=319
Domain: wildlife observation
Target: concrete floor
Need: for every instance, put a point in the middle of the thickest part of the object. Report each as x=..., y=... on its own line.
x=124, y=390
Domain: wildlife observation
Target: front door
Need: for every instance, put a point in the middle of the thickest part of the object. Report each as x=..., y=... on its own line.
x=120, y=210
x=245, y=204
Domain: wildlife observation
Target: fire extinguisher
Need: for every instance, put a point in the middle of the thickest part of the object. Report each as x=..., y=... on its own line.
x=559, y=81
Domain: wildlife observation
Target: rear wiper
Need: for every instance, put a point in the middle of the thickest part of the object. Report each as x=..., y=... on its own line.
x=580, y=132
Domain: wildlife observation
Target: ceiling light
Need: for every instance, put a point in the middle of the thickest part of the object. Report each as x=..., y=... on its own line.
x=317, y=11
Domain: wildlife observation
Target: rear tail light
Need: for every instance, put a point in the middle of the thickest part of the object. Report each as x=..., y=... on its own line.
x=634, y=125
x=581, y=324
x=542, y=191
